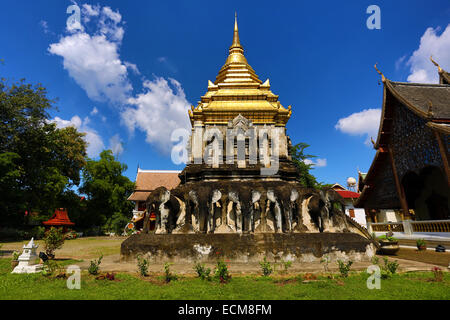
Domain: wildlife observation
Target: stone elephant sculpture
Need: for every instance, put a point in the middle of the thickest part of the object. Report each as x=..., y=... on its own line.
x=167, y=210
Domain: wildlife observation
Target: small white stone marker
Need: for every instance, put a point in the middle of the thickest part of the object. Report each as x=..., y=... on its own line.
x=27, y=259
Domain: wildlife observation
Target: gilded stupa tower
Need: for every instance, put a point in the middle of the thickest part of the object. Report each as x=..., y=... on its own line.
x=238, y=91
x=238, y=103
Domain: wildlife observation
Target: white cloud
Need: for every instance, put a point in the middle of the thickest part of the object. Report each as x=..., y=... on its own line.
x=92, y=138
x=132, y=67
x=431, y=44
x=90, y=11
x=115, y=144
x=361, y=123
x=158, y=111
x=44, y=26
x=93, y=61
x=318, y=164
x=94, y=111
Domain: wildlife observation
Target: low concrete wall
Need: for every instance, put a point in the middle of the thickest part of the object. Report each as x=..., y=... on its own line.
x=300, y=247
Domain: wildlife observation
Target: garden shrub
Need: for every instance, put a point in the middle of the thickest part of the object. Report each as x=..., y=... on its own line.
x=94, y=267
x=286, y=265
x=390, y=267
x=202, y=272
x=168, y=275
x=143, y=264
x=266, y=267
x=221, y=272
x=53, y=240
x=344, y=268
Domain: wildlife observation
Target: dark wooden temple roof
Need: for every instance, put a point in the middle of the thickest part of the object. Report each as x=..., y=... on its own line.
x=445, y=77
x=419, y=96
x=429, y=102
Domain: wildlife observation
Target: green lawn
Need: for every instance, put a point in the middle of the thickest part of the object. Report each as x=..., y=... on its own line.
x=128, y=286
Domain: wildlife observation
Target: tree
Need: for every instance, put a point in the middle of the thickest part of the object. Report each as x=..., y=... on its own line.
x=303, y=166
x=107, y=191
x=38, y=160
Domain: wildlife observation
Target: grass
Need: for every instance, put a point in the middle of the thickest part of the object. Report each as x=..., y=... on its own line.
x=414, y=285
x=83, y=248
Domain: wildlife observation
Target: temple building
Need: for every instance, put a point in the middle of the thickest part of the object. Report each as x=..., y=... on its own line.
x=350, y=197
x=146, y=182
x=59, y=219
x=410, y=173
x=240, y=192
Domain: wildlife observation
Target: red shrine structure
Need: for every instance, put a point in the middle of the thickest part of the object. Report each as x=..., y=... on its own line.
x=59, y=219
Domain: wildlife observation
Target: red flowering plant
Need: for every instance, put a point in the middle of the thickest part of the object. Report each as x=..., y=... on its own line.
x=438, y=274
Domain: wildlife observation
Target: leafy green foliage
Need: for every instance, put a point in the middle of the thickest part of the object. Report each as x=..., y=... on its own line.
x=299, y=159
x=420, y=242
x=50, y=267
x=222, y=273
x=266, y=267
x=344, y=268
x=390, y=266
x=387, y=238
x=38, y=161
x=143, y=264
x=94, y=266
x=202, y=272
x=107, y=191
x=388, y=269
x=168, y=275
x=53, y=240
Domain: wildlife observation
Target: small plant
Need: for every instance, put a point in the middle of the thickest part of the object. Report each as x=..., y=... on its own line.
x=202, y=272
x=438, y=274
x=49, y=268
x=143, y=265
x=168, y=275
x=286, y=265
x=53, y=240
x=71, y=235
x=222, y=272
x=421, y=244
x=94, y=267
x=16, y=255
x=375, y=260
x=387, y=238
x=344, y=268
x=325, y=261
x=266, y=267
x=390, y=267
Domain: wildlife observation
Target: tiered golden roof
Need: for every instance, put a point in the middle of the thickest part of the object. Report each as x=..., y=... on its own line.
x=238, y=90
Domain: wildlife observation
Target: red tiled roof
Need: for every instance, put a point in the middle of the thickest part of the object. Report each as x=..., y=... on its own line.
x=147, y=181
x=60, y=218
x=348, y=194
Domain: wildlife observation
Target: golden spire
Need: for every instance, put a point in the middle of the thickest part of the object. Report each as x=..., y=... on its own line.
x=236, y=42
x=236, y=91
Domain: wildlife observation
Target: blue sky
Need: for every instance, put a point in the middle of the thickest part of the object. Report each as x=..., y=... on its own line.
x=127, y=77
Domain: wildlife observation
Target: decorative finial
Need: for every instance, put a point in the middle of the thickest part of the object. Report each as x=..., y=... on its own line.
x=430, y=108
x=383, y=78
x=436, y=64
x=236, y=41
